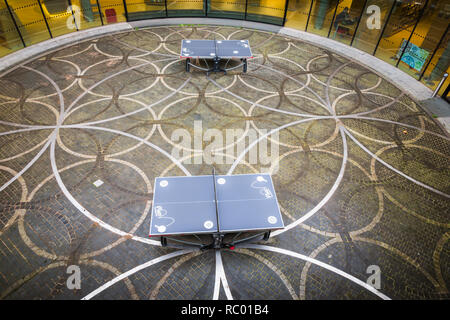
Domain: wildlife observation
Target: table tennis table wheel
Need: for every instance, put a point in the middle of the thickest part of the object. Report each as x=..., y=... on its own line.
x=188, y=67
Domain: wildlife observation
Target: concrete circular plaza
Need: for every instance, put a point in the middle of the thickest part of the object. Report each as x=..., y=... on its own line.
x=361, y=172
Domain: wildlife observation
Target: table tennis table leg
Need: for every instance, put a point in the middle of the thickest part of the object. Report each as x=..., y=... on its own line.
x=245, y=66
x=266, y=235
x=163, y=241
x=218, y=240
x=188, y=67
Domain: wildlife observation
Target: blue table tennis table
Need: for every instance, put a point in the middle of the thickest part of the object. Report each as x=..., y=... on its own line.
x=215, y=205
x=216, y=50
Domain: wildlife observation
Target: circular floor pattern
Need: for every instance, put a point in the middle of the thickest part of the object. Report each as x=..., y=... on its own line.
x=361, y=173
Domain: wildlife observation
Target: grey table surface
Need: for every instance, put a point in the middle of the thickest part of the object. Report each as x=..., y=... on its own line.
x=187, y=205
x=208, y=49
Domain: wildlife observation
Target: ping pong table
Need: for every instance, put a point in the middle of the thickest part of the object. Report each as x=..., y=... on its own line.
x=215, y=50
x=216, y=205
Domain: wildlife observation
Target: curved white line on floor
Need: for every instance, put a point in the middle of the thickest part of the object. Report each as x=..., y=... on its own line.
x=134, y=270
x=221, y=278
x=392, y=168
x=327, y=87
x=260, y=105
x=387, y=105
x=75, y=54
x=20, y=154
x=53, y=83
x=320, y=264
x=147, y=52
x=394, y=122
x=23, y=198
x=295, y=80
x=52, y=141
x=53, y=134
x=32, y=127
x=29, y=164
x=83, y=210
x=116, y=63
x=244, y=152
x=289, y=61
x=176, y=161
x=327, y=196
x=217, y=278
x=74, y=82
x=141, y=109
x=273, y=268
x=337, y=88
x=86, y=104
x=107, y=78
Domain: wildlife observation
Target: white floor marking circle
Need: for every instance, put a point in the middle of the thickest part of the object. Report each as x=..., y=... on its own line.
x=164, y=183
x=272, y=219
x=208, y=224
x=320, y=264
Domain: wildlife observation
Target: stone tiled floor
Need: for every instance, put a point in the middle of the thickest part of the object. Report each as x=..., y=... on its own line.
x=361, y=173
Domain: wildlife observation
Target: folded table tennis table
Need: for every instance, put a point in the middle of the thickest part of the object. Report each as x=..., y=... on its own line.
x=215, y=50
x=215, y=205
